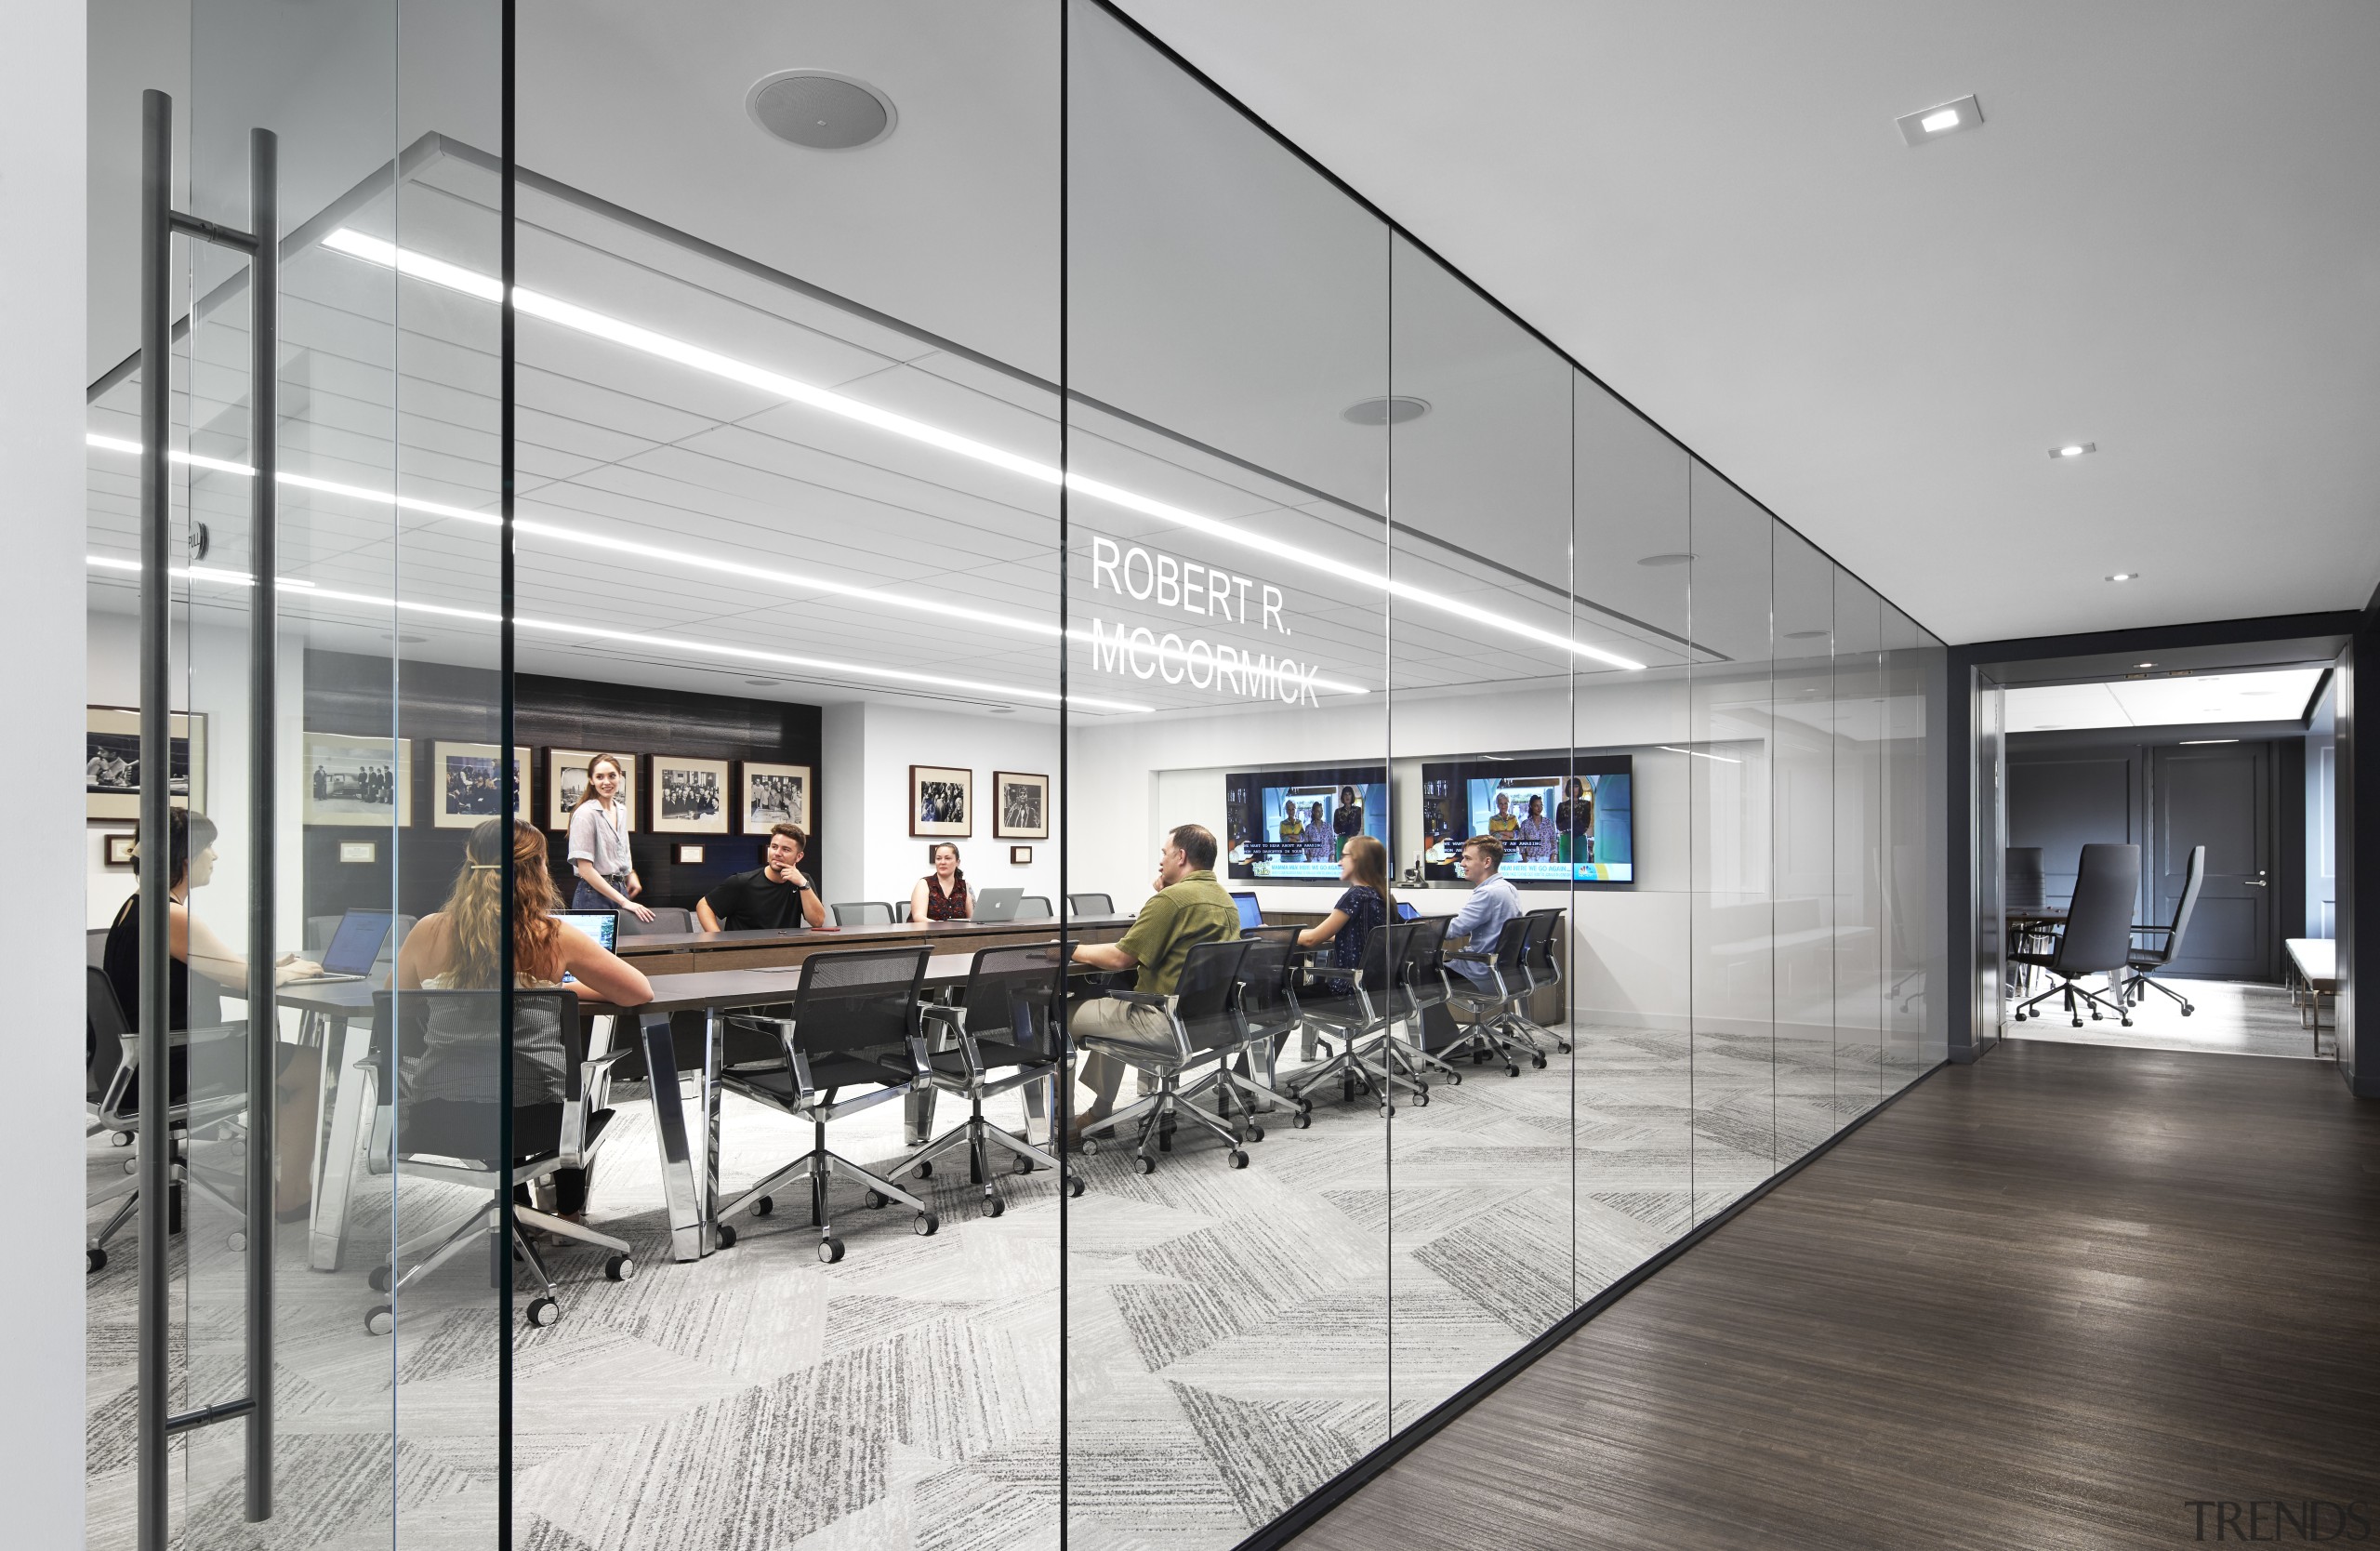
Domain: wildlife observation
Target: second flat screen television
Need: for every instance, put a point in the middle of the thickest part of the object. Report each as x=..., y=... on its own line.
x=1288, y=825
x=1563, y=819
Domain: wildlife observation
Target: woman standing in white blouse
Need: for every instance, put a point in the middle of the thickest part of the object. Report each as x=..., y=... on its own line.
x=599, y=844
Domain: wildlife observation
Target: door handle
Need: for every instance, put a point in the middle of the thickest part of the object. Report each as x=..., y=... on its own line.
x=2255, y=883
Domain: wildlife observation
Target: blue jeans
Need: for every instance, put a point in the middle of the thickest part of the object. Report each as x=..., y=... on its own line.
x=584, y=896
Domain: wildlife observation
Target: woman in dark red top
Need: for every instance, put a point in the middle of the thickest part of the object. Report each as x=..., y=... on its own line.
x=942, y=893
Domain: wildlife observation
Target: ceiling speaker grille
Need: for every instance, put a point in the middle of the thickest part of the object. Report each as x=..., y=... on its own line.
x=821, y=112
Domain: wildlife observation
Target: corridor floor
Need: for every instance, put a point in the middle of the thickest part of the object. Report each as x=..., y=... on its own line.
x=2053, y=1300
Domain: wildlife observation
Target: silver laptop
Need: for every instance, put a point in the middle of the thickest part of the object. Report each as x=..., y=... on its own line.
x=998, y=904
x=355, y=946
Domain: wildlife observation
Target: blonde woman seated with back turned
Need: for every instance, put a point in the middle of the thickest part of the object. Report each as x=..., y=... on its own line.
x=461, y=949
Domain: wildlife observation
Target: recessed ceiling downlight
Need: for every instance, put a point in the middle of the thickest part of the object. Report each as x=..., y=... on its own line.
x=1393, y=410
x=820, y=110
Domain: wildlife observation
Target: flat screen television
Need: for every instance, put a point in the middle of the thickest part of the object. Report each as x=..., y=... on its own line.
x=1288, y=825
x=1565, y=819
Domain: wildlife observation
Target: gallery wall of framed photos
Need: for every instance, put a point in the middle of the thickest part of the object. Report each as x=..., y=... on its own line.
x=715, y=769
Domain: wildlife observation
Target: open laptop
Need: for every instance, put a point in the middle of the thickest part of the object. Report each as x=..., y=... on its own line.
x=354, y=947
x=602, y=925
x=998, y=904
x=1250, y=916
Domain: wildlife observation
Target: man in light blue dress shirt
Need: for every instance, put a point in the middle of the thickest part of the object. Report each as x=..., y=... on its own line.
x=1493, y=902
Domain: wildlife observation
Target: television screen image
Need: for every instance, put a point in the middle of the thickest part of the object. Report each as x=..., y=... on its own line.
x=1562, y=819
x=1289, y=826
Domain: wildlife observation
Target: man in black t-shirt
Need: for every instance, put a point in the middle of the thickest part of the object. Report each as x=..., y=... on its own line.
x=767, y=898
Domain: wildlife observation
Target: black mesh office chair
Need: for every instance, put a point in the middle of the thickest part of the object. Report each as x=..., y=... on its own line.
x=1203, y=1019
x=856, y=1024
x=560, y=1119
x=1001, y=1035
x=862, y=912
x=1542, y=968
x=2097, y=938
x=111, y=1087
x=1035, y=907
x=2023, y=889
x=666, y=917
x=1268, y=1008
x=1425, y=996
x=1090, y=905
x=1496, y=1030
x=1356, y=1009
x=2146, y=961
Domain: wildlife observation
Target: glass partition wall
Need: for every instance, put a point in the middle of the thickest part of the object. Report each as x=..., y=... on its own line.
x=908, y=434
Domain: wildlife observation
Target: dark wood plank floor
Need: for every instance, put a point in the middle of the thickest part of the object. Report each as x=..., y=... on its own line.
x=2042, y=1301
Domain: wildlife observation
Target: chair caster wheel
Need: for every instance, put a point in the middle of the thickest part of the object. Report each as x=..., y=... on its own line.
x=1091, y=1146
x=994, y=1207
x=1144, y=1165
x=1256, y=1133
x=765, y=1205
x=2127, y=1023
x=1562, y=1046
x=874, y=1199
x=380, y=1321
x=2077, y=1023
x=925, y=1224
x=378, y=1279
x=2187, y=1009
x=543, y=1312
x=235, y=1242
x=1512, y=1069
x=621, y=1267
x=1024, y=1165
x=1454, y=1078
x=1301, y=1121
x=1538, y=1061
x=1387, y=1111
x=1236, y=1158
x=1421, y=1099
x=830, y=1250
x=727, y=1236
x=94, y=1259
x=119, y=1138
x=1074, y=1185
x=925, y=1170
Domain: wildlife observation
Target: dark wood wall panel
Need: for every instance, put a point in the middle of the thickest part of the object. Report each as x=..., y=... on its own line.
x=346, y=693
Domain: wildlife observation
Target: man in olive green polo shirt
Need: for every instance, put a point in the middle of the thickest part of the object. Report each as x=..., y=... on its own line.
x=1189, y=907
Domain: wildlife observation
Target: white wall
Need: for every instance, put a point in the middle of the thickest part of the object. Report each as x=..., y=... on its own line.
x=41, y=344
x=864, y=797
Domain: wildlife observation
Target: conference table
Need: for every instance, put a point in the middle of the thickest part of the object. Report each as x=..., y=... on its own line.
x=715, y=973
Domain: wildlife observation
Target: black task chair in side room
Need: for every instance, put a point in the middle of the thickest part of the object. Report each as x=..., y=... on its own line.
x=560, y=1119
x=1003, y=1035
x=1202, y=1018
x=2146, y=961
x=2097, y=938
x=112, y=1086
x=1090, y=905
x=2023, y=889
x=856, y=1024
x=1497, y=1030
x=862, y=912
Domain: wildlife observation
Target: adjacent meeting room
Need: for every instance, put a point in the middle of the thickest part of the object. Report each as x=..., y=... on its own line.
x=852, y=867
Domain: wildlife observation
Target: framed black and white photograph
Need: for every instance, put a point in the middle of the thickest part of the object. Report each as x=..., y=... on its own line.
x=566, y=779
x=121, y=851
x=941, y=803
x=112, y=761
x=366, y=782
x=775, y=794
x=465, y=784
x=1021, y=807
x=690, y=796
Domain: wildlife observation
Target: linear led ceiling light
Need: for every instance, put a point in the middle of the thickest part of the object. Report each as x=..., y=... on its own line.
x=568, y=534
x=2073, y=449
x=1932, y=124
x=437, y=271
x=1674, y=748
x=637, y=638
